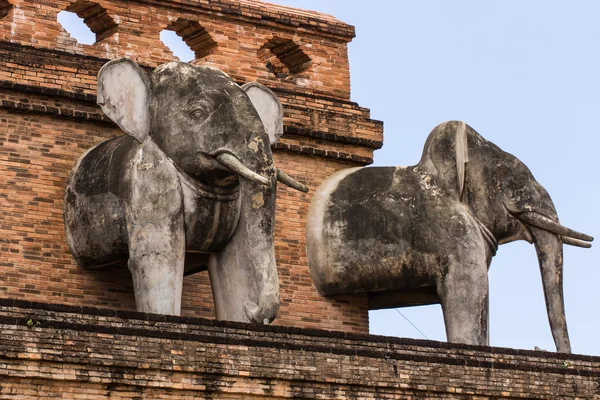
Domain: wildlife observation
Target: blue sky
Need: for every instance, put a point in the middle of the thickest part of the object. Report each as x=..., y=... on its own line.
x=525, y=75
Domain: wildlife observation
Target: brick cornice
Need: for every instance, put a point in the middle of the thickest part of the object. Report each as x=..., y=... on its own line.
x=259, y=13
x=371, y=144
x=78, y=115
x=313, y=151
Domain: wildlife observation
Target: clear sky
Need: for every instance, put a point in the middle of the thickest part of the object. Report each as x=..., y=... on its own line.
x=525, y=75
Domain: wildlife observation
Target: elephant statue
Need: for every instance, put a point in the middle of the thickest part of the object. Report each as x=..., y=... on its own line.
x=426, y=234
x=190, y=187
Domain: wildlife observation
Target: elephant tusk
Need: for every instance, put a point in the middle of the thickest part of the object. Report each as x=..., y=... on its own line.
x=575, y=242
x=240, y=169
x=542, y=222
x=291, y=182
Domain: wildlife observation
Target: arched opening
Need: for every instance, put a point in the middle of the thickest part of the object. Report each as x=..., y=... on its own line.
x=188, y=40
x=87, y=22
x=5, y=8
x=283, y=57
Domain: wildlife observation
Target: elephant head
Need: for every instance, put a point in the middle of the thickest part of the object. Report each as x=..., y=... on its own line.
x=199, y=117
x=196, y=174
x=508, y=203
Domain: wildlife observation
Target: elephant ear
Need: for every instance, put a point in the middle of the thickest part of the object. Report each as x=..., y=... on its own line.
x=124, y=96
x=462, y=157
x=269, y=109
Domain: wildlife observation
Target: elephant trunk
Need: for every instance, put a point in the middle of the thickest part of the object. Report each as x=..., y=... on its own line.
x=549, y=250
x=244, y=275
x=257, y=225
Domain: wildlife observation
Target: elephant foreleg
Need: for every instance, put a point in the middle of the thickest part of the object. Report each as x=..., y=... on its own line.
x=155, y=228
x=463, y=294
x=156, y=262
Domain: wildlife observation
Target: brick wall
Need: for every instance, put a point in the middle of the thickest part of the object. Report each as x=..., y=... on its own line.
x=55, y=351
x=48, y=118
x=238, y=31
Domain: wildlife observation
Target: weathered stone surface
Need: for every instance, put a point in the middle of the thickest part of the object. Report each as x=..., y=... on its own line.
x=427, y=233
x=192, y=188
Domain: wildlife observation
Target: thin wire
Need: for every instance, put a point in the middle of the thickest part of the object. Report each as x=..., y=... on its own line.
x=412, y=324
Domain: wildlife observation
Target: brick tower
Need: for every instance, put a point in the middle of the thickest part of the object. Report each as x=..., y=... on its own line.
x=49, y=118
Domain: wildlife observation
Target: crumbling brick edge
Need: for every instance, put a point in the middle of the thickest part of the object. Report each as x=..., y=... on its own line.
x=379, y=346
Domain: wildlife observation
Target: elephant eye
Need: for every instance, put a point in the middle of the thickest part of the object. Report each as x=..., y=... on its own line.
x=503, y=174
x=198, y=110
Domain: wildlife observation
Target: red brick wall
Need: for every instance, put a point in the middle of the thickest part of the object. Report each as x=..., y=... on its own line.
x=48, y=118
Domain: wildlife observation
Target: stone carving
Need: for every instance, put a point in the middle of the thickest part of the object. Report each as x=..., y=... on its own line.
x=191, y=187
x=427, y=233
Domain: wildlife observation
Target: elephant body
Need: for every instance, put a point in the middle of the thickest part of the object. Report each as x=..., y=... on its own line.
x=427, y=233
x=377, y=247
x=190, y=187
x=96, y=209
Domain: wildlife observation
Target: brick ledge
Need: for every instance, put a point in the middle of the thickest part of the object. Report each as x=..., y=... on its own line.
x=226, y=332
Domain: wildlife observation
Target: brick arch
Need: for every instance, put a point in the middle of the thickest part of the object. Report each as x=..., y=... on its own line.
x=283, y=57
x=95, y=17
x=5, y=8
x=195, y=36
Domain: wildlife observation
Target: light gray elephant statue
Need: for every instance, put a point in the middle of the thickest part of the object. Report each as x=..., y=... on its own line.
x=426, y=234
x=190, y=187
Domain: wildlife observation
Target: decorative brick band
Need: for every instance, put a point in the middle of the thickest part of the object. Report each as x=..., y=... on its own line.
x=312, y=151
x=46, y=91
x=26, y=107
x=29, y=107
x=32, y=56
x=371, y=144
x=315, y=97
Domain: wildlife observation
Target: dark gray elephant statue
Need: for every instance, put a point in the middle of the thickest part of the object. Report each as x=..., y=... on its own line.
x=190, y=187
x=426, y=234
